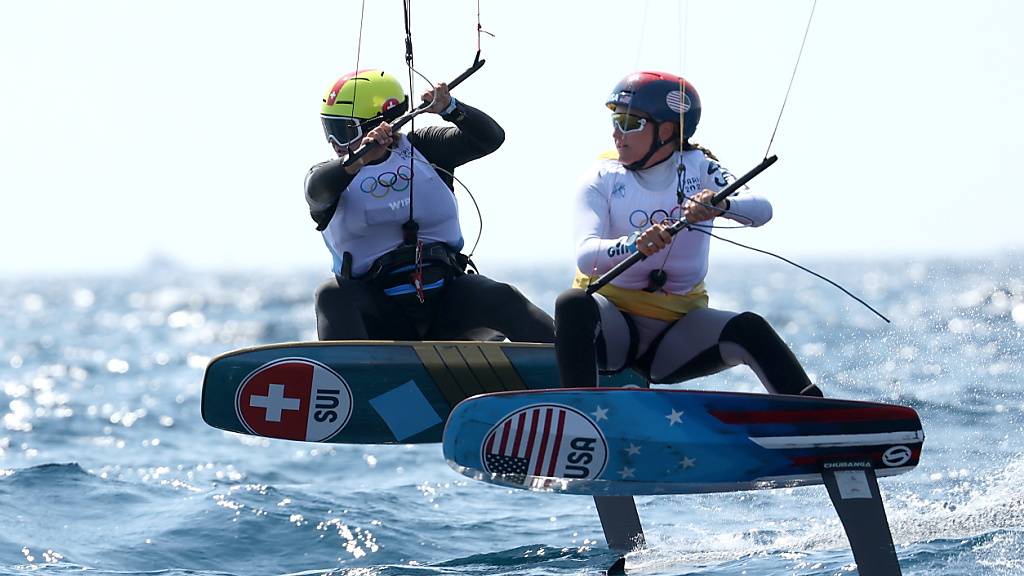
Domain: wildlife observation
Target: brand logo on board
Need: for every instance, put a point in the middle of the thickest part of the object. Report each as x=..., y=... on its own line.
x=847, y=464
x=896, y=456
x=294, y=399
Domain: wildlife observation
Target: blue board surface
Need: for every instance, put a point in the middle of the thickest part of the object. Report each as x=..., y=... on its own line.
x=622, y=441
x=367, y=392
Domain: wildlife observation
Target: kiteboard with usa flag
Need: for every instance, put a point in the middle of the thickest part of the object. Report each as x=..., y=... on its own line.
x=624, y=442
x=612, y=441
x=367, y=392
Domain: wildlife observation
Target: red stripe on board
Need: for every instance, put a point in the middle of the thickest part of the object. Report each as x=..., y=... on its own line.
x=826, y=415
x=543, y=442
x=557, y=444
x=490, y=443
x=504, y=436
x=534, y=417
x=519, y=433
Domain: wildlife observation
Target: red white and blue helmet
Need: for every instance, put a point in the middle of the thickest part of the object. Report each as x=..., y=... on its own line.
x=662, y=97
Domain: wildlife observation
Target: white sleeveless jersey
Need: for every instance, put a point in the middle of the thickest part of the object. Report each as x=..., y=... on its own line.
x=368, y=219
x=614, y=205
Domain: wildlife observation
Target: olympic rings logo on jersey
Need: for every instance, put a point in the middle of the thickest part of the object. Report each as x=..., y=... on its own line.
x=640, y=219
x=384, y=183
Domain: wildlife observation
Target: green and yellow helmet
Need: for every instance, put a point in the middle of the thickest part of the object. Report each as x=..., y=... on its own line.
x=358, y=101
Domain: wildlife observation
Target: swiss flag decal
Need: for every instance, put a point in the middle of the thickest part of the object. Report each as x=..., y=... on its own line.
x=294, y=399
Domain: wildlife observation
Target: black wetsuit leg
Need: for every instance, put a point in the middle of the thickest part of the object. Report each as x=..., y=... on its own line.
x=577, y=318
x=592, y=336
x=356, y=310
x=774, y=360
x=472, y=301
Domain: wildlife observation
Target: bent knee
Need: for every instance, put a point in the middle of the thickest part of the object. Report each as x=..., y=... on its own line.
x=506, y=296
x=574, y=301
x=746, y=326
x=507, y=293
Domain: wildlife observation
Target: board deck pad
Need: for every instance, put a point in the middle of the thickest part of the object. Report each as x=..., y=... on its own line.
x=624, y=441
x=368, y=392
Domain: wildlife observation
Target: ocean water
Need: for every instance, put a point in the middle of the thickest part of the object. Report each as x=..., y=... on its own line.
x=106, y=466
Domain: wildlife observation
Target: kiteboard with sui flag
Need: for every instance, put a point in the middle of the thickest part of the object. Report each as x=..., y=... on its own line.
x=603, y=441
x=367, y=392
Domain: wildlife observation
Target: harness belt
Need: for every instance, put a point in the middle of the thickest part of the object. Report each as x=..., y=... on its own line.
x=413, y=274
x=404, y=258
x=414, y=277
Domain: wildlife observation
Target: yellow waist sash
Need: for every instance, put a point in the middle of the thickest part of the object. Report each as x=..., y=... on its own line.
x=657, y=305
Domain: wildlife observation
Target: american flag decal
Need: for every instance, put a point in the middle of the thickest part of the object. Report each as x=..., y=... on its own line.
x=547, y=440
x=512, y=468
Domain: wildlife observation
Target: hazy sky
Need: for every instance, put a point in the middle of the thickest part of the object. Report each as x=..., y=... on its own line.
x=132, y=128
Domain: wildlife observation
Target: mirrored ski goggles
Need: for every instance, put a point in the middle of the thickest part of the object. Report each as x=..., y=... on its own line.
x=341, y=130
x=627, y=123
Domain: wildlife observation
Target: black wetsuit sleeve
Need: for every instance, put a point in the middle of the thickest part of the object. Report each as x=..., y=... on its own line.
x=473, y=136
x=324, y=184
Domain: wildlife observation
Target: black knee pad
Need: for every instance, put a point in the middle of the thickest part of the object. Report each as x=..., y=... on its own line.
x=575, y=305
x=576, y=318
x=747, y=328
x=754, y=334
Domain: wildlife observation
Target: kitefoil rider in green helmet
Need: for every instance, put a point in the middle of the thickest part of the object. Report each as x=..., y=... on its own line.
x=390, y=220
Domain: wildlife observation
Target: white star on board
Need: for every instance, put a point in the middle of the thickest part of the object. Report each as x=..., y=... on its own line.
x=626, y=473
x=633, y=449
x=600, y=414
x=674, y=418
x=688, y=462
